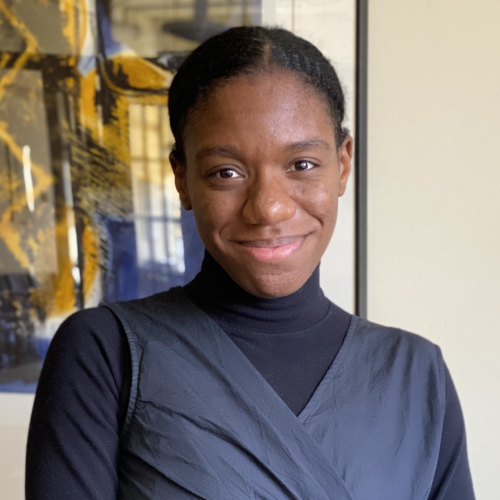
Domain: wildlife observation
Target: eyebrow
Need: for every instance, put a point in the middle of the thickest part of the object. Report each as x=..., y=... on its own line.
x=232, y=151
x=227, y=150
x=309, y=143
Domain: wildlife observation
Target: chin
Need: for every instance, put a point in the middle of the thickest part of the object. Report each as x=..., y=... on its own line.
x=272, y=286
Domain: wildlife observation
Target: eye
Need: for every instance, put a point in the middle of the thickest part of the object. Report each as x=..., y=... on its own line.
x=301, y=165
x=227, y=173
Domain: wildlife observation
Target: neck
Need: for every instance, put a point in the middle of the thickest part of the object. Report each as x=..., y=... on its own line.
x=214, y=291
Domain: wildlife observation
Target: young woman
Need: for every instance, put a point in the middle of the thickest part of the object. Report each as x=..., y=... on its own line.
x=248, y=383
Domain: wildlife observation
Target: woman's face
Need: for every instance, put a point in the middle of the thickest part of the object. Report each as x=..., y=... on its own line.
x=263, y=175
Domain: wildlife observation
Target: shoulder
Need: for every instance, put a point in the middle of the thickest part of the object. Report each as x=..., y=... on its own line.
x=90, y=339
x=96, y=325
x=171, y=299
x=392, y=348
x=144, y=315
x=88, y=358
x=392, y=336
x=95, y=318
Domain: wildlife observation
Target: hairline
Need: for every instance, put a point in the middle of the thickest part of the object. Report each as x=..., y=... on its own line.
x=266, y=66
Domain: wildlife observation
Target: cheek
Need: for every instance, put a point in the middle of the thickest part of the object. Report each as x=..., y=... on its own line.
x=206, y=217
x=212, y=212
x=319, y=201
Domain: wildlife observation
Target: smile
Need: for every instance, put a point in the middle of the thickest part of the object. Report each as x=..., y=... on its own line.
x=273, y=250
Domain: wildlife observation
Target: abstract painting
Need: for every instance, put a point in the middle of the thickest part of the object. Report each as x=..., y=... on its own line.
x=88, y=207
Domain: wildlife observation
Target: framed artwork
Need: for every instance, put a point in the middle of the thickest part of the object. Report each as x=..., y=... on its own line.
x=88, y=207
x=89, y=211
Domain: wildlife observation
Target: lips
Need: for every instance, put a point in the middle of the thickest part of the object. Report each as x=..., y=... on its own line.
x=274, y=243
x=273, y=250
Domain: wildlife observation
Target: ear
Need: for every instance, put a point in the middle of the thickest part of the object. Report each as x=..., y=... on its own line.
x=179, y=168
x=345, y=161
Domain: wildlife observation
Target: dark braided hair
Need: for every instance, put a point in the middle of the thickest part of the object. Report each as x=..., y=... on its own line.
x=248, y=50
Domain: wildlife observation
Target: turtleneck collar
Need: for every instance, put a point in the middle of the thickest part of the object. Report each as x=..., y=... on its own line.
x=215, y=292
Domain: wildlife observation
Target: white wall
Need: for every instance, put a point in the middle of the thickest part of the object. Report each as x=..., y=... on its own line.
x=15, y=412
x=434, y=204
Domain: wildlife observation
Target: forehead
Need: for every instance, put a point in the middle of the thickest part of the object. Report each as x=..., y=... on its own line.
x=266, y=107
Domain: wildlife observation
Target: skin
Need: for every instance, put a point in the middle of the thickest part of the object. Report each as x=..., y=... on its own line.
x=263, y=174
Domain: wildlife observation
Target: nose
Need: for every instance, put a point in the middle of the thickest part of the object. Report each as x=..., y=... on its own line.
x=268, y=201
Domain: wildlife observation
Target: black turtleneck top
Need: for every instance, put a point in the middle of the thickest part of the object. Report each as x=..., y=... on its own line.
x=291, y=340
x=82, y=396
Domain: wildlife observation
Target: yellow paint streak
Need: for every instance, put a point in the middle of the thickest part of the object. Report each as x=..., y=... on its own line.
x=116, y=132
x=67, y=7
x=89, y=116
x=90, y=248
x=63, y=285
x=44, y=296
x=31, y=47
x=42, y=181
x=4, y=59
x=142, y=74
x=17, y=23
x=83, y=15
x=55, y=293
x=70, y=83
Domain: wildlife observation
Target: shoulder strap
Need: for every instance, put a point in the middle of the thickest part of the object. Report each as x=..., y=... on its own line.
x=190, y=369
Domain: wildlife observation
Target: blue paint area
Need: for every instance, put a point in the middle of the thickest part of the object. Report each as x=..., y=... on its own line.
x=122, y=281
x=21, y=374
x=41, y=345
x=125, y=278
x=19, y=386
x=111, y=46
